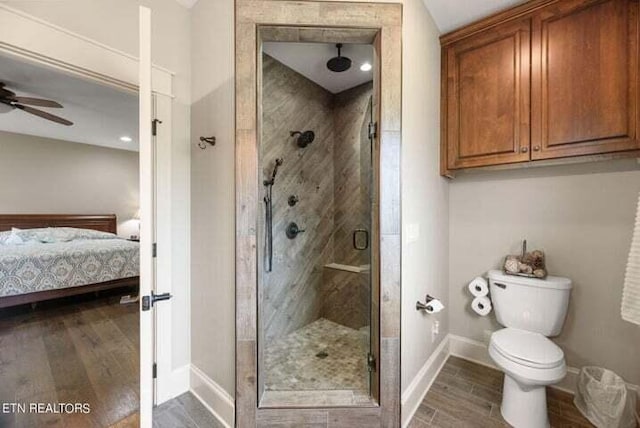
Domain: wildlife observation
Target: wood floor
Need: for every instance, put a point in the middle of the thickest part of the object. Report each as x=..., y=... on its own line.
x=82, y=350
x=466, y=394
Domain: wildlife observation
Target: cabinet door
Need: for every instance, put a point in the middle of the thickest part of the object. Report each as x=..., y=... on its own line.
x=585, y=78
x=487, y=97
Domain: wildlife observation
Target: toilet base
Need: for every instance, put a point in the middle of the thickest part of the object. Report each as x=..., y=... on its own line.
x=524, y=408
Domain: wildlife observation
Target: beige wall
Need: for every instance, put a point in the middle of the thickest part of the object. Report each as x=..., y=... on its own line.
x=582, y=216
x=46, y=176
x=424, y=192
x=115, y=24
x=213, y=197
x=425, y=202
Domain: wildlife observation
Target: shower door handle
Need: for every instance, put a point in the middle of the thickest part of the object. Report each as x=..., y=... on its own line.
x=358, y=236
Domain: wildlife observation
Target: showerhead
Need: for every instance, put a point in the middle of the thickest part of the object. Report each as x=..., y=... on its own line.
x=304, y=138
x=339, y=63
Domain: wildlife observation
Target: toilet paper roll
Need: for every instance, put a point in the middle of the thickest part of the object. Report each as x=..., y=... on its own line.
x=478, y=287
x=481, y=305
x=434, y=306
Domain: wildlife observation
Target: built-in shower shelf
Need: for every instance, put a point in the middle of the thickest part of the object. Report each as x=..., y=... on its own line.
x=349, y=268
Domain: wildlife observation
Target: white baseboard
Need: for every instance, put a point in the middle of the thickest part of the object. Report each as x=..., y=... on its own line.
x=177, y=383
x=213, y=397
x=421, y=383
x=180, y=380
x=471, y=350
x=478, y=352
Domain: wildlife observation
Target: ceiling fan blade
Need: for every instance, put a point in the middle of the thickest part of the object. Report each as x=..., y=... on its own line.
x=6, y=93
x=43, y=114
x=36, y=102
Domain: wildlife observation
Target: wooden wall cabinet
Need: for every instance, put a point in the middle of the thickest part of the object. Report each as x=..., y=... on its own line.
x=545, y=80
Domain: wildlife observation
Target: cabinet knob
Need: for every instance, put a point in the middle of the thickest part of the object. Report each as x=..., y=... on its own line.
x=536, y=149
x=524, y=149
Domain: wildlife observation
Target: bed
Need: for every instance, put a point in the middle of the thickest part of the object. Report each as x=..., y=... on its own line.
x=75, y=256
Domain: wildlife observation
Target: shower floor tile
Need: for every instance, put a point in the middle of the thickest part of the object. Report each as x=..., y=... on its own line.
x=297, y=362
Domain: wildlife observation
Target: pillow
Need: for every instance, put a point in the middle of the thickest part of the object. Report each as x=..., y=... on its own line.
x=66, y=234
x=13, y=239
x=48, y=235
x=36, y=235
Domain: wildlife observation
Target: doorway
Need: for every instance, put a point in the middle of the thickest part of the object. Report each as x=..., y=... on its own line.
x=92, y=63
x=316, y=153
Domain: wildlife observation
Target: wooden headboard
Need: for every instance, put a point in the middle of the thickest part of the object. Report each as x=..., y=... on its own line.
x=103, y=223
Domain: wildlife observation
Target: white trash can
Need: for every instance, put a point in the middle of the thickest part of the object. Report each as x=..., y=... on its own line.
x=603, y=398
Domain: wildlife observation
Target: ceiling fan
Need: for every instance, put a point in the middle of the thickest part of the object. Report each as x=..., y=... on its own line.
x=10, y=99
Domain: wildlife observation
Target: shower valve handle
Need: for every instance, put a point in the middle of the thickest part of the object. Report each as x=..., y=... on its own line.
x=293, y=230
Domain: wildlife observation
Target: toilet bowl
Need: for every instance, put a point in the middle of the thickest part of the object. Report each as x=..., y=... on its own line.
x=530, y=362
x=531, y=310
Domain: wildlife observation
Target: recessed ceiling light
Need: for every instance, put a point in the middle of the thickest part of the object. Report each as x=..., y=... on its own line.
x=365, y=67
x=126, y=139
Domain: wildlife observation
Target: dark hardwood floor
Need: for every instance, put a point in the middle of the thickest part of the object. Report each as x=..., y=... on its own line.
x=77, y=350
x=466, y=394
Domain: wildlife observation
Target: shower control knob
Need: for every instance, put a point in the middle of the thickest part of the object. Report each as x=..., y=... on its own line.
x=293, y=200
x=293, y=230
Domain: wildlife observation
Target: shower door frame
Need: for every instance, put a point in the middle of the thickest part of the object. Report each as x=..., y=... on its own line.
x=319, y=19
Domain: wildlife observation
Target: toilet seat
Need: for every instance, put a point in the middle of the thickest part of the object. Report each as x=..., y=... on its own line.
x=527, y=348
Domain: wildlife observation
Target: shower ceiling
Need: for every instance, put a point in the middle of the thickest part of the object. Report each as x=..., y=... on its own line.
x=310, y=60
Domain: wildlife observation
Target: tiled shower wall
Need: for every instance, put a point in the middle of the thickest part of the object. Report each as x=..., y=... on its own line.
x=326, y=177
x=346, y=295
x=290, y=293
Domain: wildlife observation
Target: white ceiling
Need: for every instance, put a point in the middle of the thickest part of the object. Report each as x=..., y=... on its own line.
x=448, y=14
x=310, y=60
x=101, y=114
x=187, y=3
x=452, y=14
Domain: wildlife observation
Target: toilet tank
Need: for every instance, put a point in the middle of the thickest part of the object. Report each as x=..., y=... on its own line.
x=532, y=304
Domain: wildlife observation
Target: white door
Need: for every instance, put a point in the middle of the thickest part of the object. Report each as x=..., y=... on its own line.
x=147, y=226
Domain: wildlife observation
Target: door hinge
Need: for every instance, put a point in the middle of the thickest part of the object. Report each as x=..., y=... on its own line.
x=154, y=126
x=371, y=362
x=155, y=370
x=154, y=250
x=373, y=130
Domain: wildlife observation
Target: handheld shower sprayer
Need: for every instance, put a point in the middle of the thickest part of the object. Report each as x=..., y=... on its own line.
x=268, y=202
x=272, y=180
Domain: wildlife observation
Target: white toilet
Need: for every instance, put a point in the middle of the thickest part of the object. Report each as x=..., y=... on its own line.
x=530, y=310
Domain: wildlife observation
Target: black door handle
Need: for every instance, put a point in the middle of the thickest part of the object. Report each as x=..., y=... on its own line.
x=149, y=301
x=357, y=243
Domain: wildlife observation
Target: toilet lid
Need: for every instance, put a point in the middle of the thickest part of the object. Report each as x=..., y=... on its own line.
x=527, y=348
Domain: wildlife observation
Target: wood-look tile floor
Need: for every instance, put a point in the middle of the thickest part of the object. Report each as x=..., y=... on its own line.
x=466, y=394
x=82, y=349
x=185, y=411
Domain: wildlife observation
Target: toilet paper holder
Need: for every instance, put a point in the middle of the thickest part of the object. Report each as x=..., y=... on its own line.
x=424, y=306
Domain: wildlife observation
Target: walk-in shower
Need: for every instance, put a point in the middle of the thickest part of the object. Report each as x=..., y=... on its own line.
x=317, y=339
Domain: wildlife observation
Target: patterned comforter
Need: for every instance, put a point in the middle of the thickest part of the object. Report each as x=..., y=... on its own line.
x=37, y=266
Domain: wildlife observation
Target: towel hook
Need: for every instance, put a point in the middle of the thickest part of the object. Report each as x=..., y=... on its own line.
x=207, y=140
